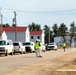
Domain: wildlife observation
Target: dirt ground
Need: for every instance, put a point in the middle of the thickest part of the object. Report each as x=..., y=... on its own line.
x=62, y=65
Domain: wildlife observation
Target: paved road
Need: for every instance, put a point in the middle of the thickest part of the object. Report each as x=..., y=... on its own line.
x=10, y=63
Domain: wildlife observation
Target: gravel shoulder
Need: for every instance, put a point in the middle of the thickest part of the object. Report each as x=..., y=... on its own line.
x=58, y=63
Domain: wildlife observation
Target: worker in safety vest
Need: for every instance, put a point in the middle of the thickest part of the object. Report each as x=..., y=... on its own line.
x=64, y=46
x=38, y=48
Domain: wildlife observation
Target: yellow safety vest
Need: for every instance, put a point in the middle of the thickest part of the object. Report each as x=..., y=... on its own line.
x=40, y=47
x=36, y=45
x=64, y=45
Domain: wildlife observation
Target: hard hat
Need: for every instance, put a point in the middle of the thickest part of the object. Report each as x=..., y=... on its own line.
x=37, y=40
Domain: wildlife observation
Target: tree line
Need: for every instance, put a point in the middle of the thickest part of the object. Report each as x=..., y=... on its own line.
x=52, y=32
x=55, y=31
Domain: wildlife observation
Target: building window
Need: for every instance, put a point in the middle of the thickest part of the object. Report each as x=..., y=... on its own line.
x=31, y=37
x=38, y=37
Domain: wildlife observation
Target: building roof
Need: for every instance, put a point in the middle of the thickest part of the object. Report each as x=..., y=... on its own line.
x=35, y=32
x=12, y=29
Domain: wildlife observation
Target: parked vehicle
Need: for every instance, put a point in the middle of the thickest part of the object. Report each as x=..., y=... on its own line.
x=19, y=48
x=29, y=46
x=6, y=47
x=52, y=46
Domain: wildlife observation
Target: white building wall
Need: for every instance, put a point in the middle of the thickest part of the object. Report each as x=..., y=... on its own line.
x=4, y=36
x=34, y=38
x=59, y=40
x=42, y=37
x=20, y=36
x=10, y=35
x=27, y=35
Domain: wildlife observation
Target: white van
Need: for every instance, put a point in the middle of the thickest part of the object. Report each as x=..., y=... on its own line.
x=6, y=47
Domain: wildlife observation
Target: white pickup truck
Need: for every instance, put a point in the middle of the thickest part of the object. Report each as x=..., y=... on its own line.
x=29, y=46
x=6, y=47
x=19, y=48
x=52, y=46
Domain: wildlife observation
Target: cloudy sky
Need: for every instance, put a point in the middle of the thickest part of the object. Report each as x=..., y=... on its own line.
x=40, y=12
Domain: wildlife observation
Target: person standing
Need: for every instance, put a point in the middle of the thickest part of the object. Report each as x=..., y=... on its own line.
x=64, y=46
x=37, y=48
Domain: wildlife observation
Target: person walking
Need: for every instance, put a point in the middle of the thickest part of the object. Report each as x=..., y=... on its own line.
x=37, y=48
x=64, y=46
x=40, y=49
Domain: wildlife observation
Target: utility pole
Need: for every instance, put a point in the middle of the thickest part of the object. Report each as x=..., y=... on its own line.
x=1, y=23
x=49, y=34
x=15, y=22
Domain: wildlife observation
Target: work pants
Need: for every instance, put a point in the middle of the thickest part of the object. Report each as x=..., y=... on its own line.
x=64, y=48
x=38, y=53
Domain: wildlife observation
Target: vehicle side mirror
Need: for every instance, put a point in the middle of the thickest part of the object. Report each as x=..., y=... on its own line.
x=7, y=43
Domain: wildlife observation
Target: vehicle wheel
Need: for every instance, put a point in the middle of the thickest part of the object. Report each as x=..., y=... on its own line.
x=12, y=53
x=55, y=49
x=6, y=53
x=47, y=50
x=21, y=52
x=24, y=52
x=30, y=51
x=33, y=51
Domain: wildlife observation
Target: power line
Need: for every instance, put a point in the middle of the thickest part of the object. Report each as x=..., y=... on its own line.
x=39, y=11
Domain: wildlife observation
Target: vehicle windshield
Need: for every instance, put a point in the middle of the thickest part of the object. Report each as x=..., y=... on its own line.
x=26, y=43
x=16, y=44
x=2, y=42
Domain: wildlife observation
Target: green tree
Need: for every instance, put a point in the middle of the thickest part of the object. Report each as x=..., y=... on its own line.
x=72, y=31
x=5, y=25
x=48, y=34
x=62, y=30
x=46, y=29
x=38, y=27
x=34, y=27
x=55, y=29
